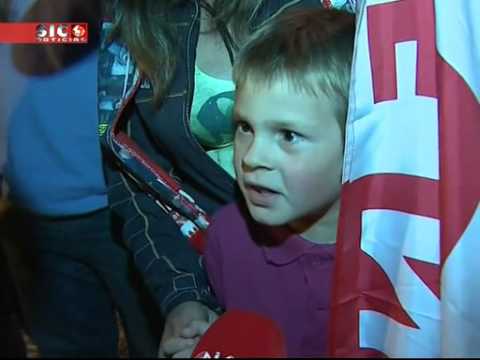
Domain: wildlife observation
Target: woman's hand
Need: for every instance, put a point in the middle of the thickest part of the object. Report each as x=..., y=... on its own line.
x=184, y=326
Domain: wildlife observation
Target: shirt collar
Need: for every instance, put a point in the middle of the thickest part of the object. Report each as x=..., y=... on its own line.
x=286, y=246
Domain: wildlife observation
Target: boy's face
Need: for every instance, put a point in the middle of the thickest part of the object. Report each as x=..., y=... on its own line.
x=288, y=153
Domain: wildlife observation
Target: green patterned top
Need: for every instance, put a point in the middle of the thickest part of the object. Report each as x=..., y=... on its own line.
x=211, y=117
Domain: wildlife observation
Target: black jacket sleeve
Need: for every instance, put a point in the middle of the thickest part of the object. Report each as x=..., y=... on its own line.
x=170, y=266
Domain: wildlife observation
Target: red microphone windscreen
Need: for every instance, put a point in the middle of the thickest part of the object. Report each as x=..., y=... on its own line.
x=241, y=334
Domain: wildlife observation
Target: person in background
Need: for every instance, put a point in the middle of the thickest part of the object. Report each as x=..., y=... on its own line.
x=12, y=344
x=81, y=276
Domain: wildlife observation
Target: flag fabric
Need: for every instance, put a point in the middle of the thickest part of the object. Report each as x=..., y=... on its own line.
x=407, y=280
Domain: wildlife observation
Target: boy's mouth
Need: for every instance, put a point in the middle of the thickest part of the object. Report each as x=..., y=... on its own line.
x=259, y=195
x=260, y=188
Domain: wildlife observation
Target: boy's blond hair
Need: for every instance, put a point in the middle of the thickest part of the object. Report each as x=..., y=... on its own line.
x=311, y=48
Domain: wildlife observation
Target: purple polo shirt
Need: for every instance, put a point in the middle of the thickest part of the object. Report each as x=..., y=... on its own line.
x=274, y=273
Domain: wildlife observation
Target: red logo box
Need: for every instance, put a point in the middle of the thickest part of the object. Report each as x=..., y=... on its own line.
x=44, y=33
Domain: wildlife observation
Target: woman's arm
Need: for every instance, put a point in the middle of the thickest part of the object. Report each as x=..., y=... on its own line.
x=168, y=263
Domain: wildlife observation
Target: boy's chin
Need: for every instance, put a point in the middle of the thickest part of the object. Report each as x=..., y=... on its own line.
x=267, y=216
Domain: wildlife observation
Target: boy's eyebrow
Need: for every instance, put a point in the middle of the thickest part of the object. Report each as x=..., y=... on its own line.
x=277, y=123
x=238, y=117
x=282, y=123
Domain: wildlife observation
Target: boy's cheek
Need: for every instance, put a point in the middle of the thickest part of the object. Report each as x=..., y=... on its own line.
x=237, y=158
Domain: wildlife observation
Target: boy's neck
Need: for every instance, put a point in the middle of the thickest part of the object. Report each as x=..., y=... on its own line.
x=323, y=230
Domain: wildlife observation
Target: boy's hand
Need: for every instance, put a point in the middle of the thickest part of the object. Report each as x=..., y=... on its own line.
x=184, y=326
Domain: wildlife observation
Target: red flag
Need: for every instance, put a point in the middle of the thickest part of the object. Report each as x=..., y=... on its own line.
x=410, y=219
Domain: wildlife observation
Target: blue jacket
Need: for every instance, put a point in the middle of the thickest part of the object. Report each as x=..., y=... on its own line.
x=170, y=266
x=54, y=164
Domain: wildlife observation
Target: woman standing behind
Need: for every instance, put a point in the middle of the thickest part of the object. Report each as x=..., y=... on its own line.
x=165, y=84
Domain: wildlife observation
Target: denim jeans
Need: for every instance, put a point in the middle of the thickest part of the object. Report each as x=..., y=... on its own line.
x=11, y=341
x=81, y=277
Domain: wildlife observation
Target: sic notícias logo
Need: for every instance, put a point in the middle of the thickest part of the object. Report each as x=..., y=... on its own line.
x=62, y=32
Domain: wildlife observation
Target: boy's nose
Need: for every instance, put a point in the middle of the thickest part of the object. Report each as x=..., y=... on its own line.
x=258, y=155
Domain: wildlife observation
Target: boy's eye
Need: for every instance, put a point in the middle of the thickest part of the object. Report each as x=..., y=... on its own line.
x=243, y=126
x=290, y=136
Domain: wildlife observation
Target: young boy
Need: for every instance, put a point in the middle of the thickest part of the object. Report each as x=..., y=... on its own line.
x=273, y=253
